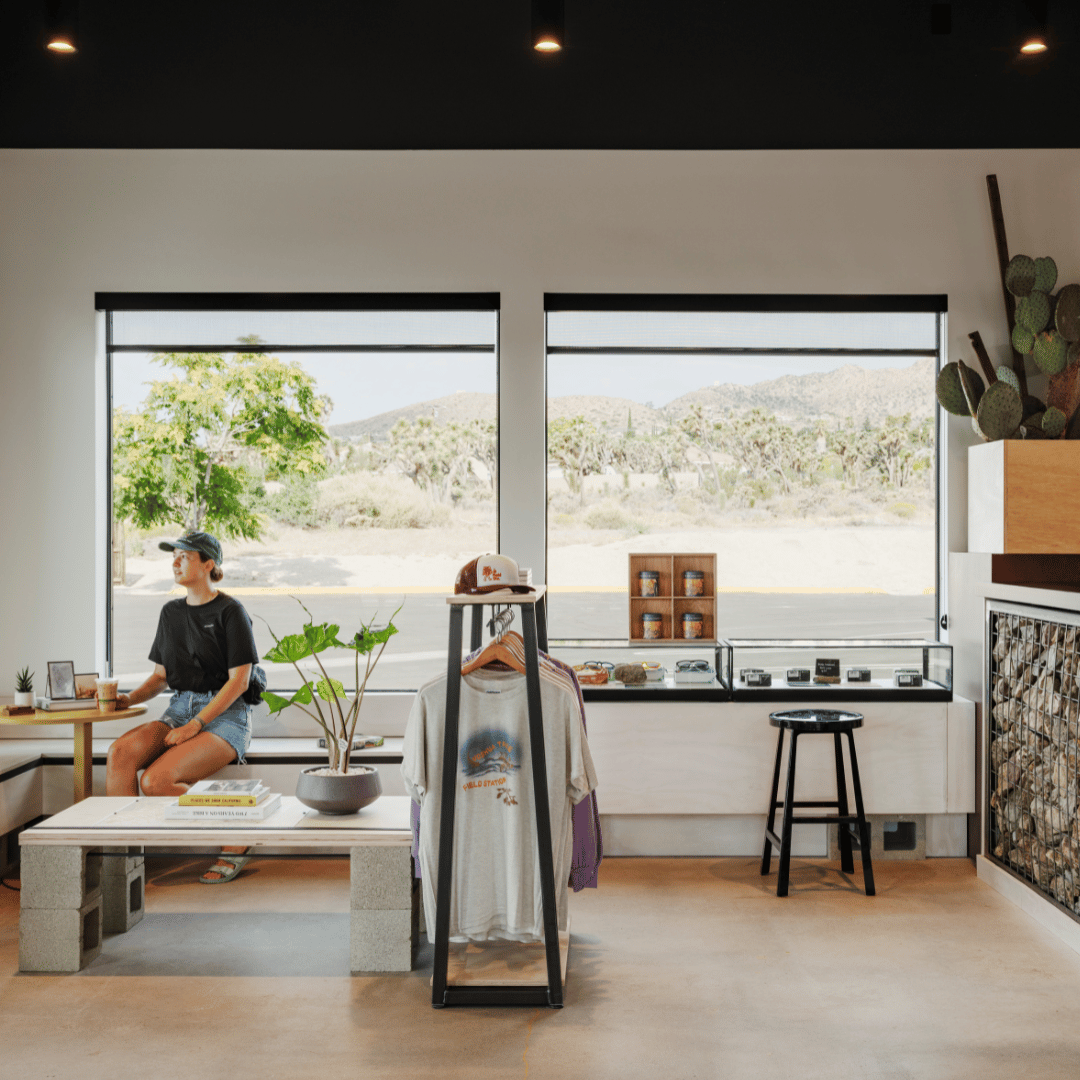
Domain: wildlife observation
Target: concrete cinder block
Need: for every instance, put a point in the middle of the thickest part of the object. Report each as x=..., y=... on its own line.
x=879, y=839
x=60, y=939
x=381, y=878
x=122, y=899
x=120, y=861
x=59, y=877
x=383, y=940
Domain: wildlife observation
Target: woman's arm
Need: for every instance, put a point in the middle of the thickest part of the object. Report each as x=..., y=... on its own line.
x=226, y=696
x=153, y=686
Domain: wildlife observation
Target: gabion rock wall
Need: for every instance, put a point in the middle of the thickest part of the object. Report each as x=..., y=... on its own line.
x=1035, y=705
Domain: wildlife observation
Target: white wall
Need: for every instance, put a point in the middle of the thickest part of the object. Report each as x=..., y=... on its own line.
x=520, y=223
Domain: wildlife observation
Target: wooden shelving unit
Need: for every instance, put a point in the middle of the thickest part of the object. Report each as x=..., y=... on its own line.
x=670, y=604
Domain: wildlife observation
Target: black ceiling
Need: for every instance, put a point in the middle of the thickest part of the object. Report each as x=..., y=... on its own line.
x=459, y=74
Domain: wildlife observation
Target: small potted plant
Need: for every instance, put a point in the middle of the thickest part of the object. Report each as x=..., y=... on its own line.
x=338, y=787
x=24, y=688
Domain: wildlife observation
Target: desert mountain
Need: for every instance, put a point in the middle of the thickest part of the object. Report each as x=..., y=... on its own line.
x=452, y=409
x=849, y=391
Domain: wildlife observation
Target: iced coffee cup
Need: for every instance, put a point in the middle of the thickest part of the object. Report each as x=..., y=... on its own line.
x=106, y=694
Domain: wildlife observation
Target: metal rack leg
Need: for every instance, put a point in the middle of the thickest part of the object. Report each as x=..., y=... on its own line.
x=843, y=828
x=540, y=607
x=543, y=815
x=446, y=811
x=476, y=629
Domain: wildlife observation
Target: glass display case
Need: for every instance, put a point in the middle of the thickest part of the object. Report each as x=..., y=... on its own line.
x=774, y=669
x=668, y=673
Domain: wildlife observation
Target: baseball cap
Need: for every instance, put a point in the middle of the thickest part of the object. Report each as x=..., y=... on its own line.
x=490, y=573
x=195, y=541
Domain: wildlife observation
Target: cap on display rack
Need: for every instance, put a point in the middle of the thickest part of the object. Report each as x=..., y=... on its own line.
x=201, y=542
x=488, y=574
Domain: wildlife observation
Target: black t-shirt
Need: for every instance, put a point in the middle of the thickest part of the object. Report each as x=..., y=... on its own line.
x=197, y=644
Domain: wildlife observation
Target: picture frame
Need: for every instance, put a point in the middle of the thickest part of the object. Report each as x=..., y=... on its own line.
x=61, y=680
x=86, y=684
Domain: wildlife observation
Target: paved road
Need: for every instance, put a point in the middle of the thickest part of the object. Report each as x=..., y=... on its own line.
x=419, y=651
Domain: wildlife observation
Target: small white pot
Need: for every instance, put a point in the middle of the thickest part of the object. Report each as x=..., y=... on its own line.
x=26, y=698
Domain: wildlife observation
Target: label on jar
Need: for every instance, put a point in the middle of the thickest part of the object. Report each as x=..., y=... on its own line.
x=693, y=586
x=691, y=628
x=652, y=628
x=649, y=586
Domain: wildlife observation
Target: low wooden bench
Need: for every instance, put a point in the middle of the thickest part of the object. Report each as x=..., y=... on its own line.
x=83, y=873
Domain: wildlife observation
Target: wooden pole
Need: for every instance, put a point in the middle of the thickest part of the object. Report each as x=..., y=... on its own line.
x=984, y=359
x=1003, y=262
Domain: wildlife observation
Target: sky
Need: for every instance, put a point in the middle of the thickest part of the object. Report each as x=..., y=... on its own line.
x=364, y=385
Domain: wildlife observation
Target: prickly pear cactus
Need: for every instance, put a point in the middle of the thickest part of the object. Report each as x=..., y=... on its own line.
x=1063, y=391
x=1067, y=313
x=1045, y=274
x=1023, y=340
x=950, y=388
x=1051, y=350
x=1032, y=405
x=1033, y=311
x=1020, y=275
x=1000, y=411
x=1053, y=423
x=1006, y=374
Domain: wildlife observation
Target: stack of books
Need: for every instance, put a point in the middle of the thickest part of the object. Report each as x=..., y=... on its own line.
x=225, y=800
x=50, y=704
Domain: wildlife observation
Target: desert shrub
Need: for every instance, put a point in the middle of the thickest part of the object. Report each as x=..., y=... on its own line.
x=606, y=515
x=609, y=515
x=292, y=502
x=902, y=509
x=376, y=501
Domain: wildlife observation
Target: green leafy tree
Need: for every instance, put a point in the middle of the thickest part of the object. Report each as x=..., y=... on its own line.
x=190, y=455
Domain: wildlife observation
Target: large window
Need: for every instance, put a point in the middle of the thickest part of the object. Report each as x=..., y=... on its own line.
x=344, y=449
x=795, y=437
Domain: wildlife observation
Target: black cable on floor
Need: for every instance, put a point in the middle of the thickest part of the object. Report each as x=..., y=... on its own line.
x=13, y=888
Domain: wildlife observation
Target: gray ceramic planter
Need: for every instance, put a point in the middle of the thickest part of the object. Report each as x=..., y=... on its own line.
x=339, y=794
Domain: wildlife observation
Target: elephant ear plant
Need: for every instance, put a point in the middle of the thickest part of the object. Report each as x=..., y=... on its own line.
x=339, y=720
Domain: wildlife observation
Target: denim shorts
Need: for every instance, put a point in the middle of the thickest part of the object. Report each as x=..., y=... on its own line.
x=233, y=725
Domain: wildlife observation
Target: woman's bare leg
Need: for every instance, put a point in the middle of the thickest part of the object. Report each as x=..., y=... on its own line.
x=181, y=766
x=132, y=751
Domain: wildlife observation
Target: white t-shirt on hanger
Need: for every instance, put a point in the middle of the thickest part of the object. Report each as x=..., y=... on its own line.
x=496, y=883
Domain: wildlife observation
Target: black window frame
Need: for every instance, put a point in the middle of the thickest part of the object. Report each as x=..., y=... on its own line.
x=109, y=302
x=772, y=303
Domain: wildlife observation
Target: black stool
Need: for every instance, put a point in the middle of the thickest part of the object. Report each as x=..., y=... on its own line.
x=817, y=722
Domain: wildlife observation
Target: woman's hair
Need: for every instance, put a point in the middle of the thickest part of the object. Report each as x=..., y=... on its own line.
x=217, y=573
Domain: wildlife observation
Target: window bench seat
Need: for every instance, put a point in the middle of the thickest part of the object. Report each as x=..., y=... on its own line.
x=36, y=774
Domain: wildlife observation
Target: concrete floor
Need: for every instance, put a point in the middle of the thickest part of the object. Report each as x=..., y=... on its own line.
x=679, y=968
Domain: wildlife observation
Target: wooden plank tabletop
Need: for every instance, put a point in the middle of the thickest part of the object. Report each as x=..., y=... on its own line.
x=139, y=821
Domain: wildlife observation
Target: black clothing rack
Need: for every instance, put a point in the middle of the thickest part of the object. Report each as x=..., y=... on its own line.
x=534, y=632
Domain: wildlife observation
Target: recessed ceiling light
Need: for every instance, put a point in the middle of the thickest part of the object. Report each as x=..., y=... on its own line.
x=61, y=20
x=547, y=26
x=1033, y=45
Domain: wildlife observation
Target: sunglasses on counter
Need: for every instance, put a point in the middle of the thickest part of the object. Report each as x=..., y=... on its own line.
x=600, y=665
x=692, y=665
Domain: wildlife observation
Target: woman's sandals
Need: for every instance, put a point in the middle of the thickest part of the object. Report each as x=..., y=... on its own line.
x=226, y=867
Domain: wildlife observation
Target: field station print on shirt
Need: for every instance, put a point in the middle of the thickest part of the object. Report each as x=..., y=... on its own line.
x=495, y=891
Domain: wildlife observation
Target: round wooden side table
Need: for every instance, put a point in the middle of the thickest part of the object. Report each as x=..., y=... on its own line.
x=83, y=721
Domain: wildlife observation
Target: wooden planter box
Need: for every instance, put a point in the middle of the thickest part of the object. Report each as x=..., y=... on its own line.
x=1022, y=497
